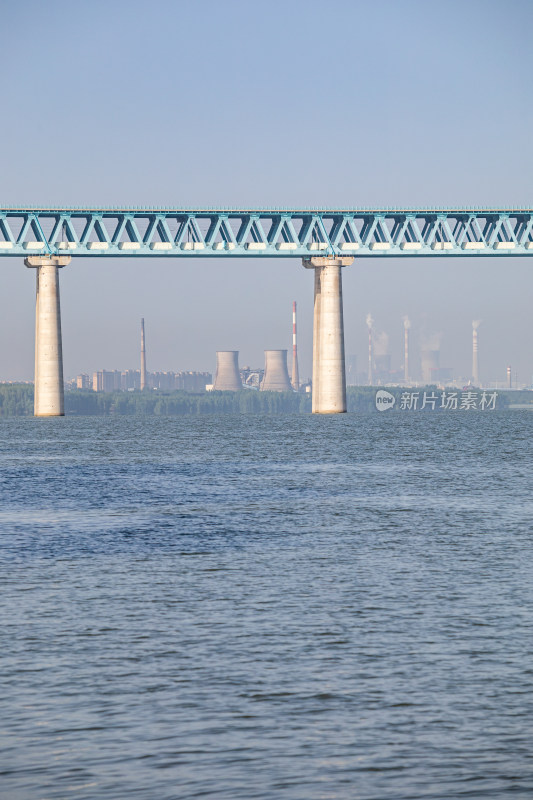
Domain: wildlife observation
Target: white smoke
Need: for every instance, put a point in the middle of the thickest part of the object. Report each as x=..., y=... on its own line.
x=406, y=322
x=476, y=323
x=369, y=321
x=432, y=342
x=381, y=344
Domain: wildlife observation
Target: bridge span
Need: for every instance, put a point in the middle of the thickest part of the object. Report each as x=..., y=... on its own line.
x=325, y=239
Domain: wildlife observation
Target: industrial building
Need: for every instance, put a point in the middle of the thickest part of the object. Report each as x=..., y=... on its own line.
x=252, y=377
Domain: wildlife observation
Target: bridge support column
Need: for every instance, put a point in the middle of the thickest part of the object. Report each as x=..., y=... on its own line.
x=49, y=391
x=329, y=372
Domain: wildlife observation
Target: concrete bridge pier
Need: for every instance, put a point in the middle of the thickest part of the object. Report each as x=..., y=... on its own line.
x=49, y=390
x=329, y=372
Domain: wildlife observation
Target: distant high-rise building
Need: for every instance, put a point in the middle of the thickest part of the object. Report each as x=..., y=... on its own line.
x=193, y=381
x=164, y=381
x=107, y=381
x=130, y=380
x=83, y=381
x=184, y=381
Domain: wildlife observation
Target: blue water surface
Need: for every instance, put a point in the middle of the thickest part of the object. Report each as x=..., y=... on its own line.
x=294, y=607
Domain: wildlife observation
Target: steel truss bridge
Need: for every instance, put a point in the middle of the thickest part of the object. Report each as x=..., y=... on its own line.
x=274, y=232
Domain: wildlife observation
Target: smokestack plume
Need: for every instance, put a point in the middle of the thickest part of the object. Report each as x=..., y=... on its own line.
x=295, y=380
x=430, y=364
x=406, y=327
x=143, y=357
x=228, y=377
x=369, y=323
x=475, y=366
x=276, y=378
x=430, y=356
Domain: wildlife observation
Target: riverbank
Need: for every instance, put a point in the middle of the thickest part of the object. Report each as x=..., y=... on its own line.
x=16, y=400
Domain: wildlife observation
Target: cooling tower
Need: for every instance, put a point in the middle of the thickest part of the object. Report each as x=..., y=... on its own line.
x=430, y=363
x=276, y=374
x=228, y=377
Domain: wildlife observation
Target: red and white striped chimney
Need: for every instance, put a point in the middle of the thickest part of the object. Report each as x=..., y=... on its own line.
x=295, y=379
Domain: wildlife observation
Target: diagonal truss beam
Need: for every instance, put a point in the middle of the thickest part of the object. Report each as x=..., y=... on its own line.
x=160, y=232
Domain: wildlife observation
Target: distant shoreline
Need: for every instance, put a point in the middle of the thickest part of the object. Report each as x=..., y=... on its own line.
x=16, y=400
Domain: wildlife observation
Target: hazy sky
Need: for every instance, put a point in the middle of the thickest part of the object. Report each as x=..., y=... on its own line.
x=234, y=103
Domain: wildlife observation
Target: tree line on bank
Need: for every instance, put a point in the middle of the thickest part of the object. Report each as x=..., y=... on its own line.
x=16, y=400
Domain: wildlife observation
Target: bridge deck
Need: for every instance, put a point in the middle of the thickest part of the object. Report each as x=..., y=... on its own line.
x=260, y=233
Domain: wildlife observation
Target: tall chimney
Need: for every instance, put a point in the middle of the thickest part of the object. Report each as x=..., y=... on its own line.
x=143, y=357
x=509, y=378
x=276, y=378
x=370, y=322
x=475, y=366
x=295, y=380
x=406, y=326
x=228, y=377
